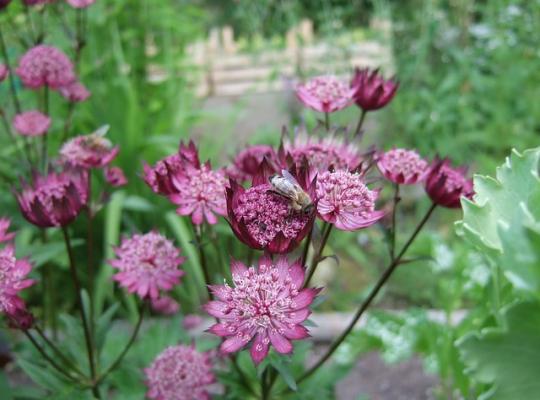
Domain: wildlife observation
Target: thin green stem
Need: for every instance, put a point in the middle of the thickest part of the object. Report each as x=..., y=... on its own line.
x=121, y=356
x=68, y=121
x=245, y=380
x=367, y=302
x=306, y=245
x=44, y=138
x=76, y=283
x=11, y=78
x=90, y=252
x=58, y=352
x=327, y=228
x=327, y=121
x=203, y=261
x=394, y=226
x=358, y=130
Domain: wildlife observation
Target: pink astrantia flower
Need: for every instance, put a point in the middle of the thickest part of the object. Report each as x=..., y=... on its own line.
x=325, y=94
x=115, y=176
x=55, y=199
x=191, y=321
x=74, y=92
x=322, y=153
x=345, y=201
x=4, y=226
x=4, y=72
x=165, y=305
x=45, y=66
x=80, y=3
x=89, y=151
x=371, y=90
x=147, y=264
x=31, y=123
x=13, y=274
x=267, y=305
x=179, y=373
x=246, y=163
x=446, y=185
x=401, y=166
x=265, y=220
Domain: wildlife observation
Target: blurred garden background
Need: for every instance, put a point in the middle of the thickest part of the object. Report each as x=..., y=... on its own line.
x=223, y=72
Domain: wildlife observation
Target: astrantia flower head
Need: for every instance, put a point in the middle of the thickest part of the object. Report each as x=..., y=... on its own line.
x=267, y=305
x=13, y=275
x=80, y=3
x=115, y=176
x=31, y=123
x=345, y=201
x=147, y=264
x=160, y=176
x=89, y=151
x=191, y=321
x=54, y=199
x=179, y=373
x=246, y=163
x=322, y=153
x=4, y=227
x=371, y=90
x=4, y=72
x=45, y=66
x=262, y=219
x=401, y=166
x=165, y=305
x=325, y=94
x=75, y=92
x=446, y=185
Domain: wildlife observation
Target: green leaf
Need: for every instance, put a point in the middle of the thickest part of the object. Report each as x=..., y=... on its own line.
x=5, y=389
x=507, y=358
x=43, y=377
x=503, y=221
x=285, y=372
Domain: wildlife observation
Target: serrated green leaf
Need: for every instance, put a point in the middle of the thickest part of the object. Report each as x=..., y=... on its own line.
x=507, y=358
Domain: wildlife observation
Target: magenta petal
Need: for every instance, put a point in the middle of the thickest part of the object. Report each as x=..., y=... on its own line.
x=297, y=332
x=280, y=343
x=304, y=298
x=232, y=344
x=219, y=330
x=259, y=348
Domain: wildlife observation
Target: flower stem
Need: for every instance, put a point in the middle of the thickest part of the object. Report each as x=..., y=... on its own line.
x=12, y=88
x=358, y=130
x=367, y=302
x=76, y=283
x=327, y=228
x=327, y=121
x=394, y=227
x=202, y=259
x=306, y=246
x=121, y=356
x=90, y=251
x=44, y=137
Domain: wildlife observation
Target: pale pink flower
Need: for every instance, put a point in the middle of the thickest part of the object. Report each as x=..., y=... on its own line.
x=147, y=264
x=115, y=176
x=74, y=92
x=89, y=151
x=267, y=305
x=191, y=321
x=345, y=201
x=401, y=166
x=31, y=123
x=179, y=373
x=13, y=274
x=45, y=66
x=80, y=3
x=246, y=163
x=4, y=226
x=4, y=72
x=165, y=305
x=325, y=94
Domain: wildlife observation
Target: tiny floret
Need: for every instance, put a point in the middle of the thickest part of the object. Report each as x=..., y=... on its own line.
x=80, y=3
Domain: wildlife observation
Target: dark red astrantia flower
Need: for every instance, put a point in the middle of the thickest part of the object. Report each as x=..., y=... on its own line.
x=446, y=185
x=371, y=90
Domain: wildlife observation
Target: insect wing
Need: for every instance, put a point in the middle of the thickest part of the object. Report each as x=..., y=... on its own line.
x=287, y=176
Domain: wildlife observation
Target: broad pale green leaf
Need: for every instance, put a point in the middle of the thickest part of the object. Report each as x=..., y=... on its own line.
x=503, y=220
x=507, y=358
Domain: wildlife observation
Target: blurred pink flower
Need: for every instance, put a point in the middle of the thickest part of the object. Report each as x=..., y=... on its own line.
x=21, y=319
x=147, y=264
x=115, y=176
x=165, y=305
x=80, y=3
x=401, y=166
x=264, y=220
x=89, y=151
x=75, y=92
x=179, y=373
x=45, y=66
x=246, y=163
x=446, y=185
x=325, y=94
x=13, y=274
x=191, y=321
x=371, y=90
x=31, y=123
x=55, y=199
x=4, y=226
x=345, y=201
x=4, y=71
x=266, y=305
